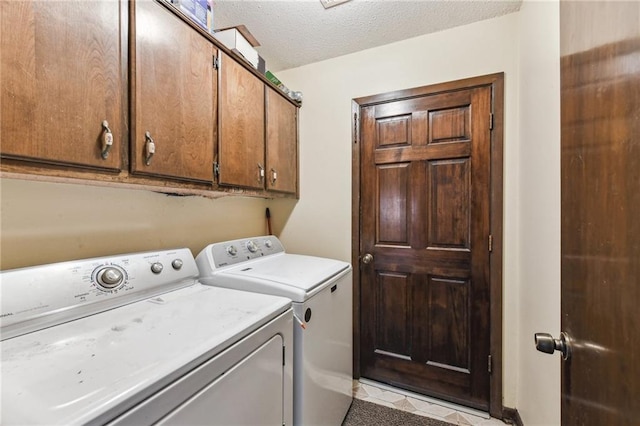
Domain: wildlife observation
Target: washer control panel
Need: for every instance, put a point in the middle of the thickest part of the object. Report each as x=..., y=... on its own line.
x=237, y=251
x=63, y=291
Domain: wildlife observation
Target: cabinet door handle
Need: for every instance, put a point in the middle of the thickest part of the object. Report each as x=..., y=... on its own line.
x=260, y=173
x=274, y=176
x=107, y=140
x=150, y=148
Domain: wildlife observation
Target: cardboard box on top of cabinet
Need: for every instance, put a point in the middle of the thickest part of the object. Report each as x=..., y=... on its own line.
x=234, y=40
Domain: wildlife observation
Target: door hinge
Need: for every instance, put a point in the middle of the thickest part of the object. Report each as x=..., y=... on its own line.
x=489, y=363
x=491, y=121
x=490, y=243
x=216, y=62
x=356, y=121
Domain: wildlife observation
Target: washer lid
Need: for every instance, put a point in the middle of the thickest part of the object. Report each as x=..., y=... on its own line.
x=94, y=368
x=298, y=272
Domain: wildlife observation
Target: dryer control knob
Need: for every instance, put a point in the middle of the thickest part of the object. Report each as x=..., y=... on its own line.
x=177, y=264
x=232, y=250
x=109, y=277
x=156, y=268
x=252, y=246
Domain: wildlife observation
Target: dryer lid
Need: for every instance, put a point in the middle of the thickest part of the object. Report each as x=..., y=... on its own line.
x=299, y=272
x=94, y=368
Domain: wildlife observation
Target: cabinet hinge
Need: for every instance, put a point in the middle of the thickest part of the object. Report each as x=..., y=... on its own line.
x=491, y=121
x=489, y=364
x=216, y=63
x=216, y=169
x=490, y=243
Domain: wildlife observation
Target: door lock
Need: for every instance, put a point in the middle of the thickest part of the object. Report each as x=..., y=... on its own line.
x=547, y=344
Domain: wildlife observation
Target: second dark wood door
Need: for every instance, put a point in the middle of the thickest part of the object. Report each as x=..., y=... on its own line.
x=425, y=186
x=600, y=255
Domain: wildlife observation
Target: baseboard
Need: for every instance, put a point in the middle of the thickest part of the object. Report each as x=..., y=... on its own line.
x=511, y=416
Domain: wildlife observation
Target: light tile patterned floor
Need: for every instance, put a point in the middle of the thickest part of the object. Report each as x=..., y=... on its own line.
x=417, y=404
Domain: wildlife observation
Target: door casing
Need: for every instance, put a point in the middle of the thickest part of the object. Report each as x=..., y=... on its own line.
x=496, y=81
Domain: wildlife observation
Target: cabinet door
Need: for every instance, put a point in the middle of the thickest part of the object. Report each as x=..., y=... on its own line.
x=281, y=144
x=241, y=126
x=175, y=88
x=62, y=76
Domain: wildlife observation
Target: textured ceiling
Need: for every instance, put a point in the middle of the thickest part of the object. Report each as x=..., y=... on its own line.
x=299, y=32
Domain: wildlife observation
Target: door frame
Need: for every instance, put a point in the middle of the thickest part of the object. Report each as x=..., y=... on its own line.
x=496, y=82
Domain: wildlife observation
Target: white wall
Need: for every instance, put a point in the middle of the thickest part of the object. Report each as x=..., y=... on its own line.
x=539, y=115
x=320, y=223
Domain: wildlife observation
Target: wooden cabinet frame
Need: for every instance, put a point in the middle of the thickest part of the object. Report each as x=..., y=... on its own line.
x=32, y=169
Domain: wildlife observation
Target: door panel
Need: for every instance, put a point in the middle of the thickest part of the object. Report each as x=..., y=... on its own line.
x=600, y=183
x=58, y=86
x=281, y=144
x=174, y=97
x=448, y=204
x=241, y=126
x=425, y=184
x=394, y=195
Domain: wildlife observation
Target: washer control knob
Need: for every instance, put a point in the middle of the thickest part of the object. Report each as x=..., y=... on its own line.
x=109, y=277
x=177, y=264
x=156, y=268
x=268, y=244
x=232, y=250
x=252, y=246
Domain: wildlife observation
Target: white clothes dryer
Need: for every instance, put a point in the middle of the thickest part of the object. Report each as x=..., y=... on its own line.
x=136, y=339
x=321, y=291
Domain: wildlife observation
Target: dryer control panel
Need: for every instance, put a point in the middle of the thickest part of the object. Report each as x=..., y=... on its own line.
x=219, y=255
x=41, y=296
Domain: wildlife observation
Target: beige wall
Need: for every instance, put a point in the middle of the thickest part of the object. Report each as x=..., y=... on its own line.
x=50, y=222
x=525, y=46
x=539, y=305
x=320, y=223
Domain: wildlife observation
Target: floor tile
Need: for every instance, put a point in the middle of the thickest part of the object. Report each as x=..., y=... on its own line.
x=402, y=400
x=390, y=396
x=404, y=405
x=379, y=402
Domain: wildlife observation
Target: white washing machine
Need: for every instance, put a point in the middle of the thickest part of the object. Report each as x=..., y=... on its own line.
x=321, y=291
x=136, y=340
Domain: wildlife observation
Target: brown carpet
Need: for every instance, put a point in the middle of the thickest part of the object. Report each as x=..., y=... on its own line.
x=363, y=413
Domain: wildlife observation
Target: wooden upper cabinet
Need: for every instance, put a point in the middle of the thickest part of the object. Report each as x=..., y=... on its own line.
x=175, y=97
x=62, y=76
x=281, y=144
x=241, y=126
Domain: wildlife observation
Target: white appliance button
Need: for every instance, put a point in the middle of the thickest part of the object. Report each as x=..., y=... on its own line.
x=252, y=246
x=156, y=268
x=177, y=264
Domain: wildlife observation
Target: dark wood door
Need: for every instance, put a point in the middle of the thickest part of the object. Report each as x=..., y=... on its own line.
x=600, y=105
x=175, y=97
x=242, y=122
x=62, y=76
x=281, y=144
x=425, y=204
